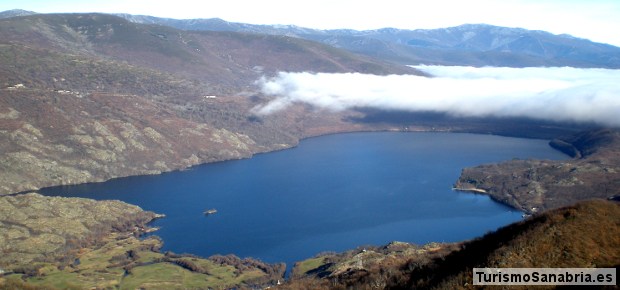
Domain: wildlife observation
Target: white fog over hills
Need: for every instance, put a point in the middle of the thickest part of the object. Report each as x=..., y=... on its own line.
x=555, y=93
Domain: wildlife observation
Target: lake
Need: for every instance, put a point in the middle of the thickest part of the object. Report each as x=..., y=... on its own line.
x=331, y=193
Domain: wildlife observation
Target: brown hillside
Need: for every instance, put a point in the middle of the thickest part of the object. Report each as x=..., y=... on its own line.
x=581, y=236
x=225, y=61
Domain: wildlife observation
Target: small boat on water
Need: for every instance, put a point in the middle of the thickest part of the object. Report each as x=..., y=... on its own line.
x=210, y=211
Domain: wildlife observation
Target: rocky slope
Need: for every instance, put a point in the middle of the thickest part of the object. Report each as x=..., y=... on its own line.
x=354, y=268
x=52, y=138
x=581, y=235
x=536, y=185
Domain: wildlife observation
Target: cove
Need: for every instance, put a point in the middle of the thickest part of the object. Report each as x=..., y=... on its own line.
x=331, y=193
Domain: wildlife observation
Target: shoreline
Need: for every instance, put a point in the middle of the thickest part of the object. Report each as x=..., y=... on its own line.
x=479, y=191
x=285, y=147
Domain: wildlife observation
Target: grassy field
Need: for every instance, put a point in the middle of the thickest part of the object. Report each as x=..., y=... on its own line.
x=304, y=266
x=163, y=276
x=130, y=263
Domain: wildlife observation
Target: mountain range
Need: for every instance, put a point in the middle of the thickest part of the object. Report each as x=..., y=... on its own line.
x=468, y=44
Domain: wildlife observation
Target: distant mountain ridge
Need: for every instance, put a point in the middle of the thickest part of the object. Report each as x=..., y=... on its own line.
x=468, y=44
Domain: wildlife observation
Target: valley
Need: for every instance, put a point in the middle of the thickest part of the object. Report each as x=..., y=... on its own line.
x=92, y=97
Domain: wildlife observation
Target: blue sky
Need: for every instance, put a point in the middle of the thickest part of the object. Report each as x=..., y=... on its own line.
x=598, y=20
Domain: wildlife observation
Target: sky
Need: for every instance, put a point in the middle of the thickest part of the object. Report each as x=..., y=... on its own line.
x=597, y=20
x=548, y=93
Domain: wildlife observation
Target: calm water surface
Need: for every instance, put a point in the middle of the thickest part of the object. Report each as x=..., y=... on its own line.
x=331, y=193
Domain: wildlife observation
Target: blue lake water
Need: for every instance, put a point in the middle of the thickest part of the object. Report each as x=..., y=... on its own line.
x=330, y=193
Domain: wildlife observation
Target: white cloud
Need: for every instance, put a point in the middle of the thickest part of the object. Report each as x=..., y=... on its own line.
x=561, y=94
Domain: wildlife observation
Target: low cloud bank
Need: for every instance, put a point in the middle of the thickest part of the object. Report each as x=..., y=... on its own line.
x=558, y=93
